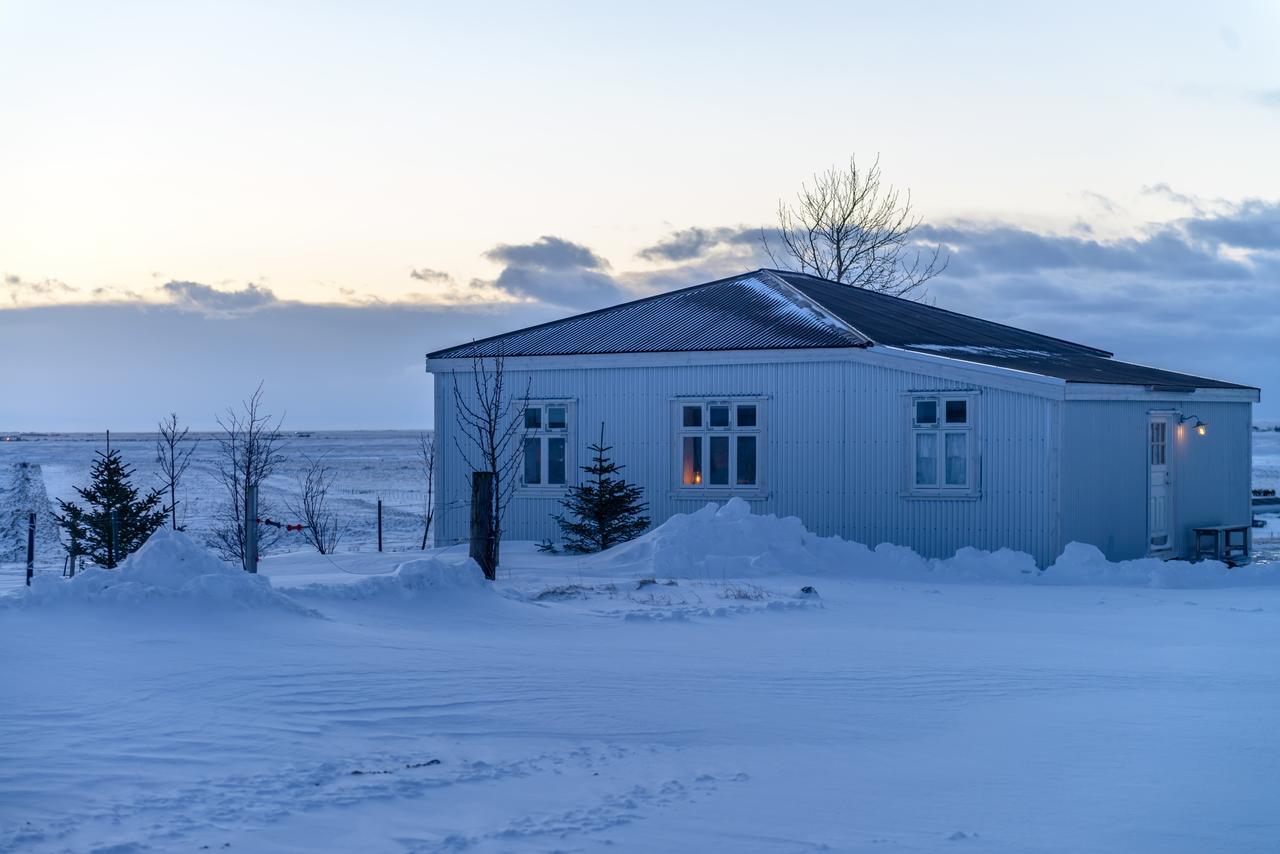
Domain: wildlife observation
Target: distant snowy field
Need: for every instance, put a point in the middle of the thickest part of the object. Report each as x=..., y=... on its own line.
x=382, y=702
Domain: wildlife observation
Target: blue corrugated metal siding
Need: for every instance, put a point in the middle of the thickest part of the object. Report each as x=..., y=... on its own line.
x=1105, y=472
x=835, y=446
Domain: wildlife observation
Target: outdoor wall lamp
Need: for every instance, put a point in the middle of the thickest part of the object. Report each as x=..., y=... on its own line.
x=1199, y=426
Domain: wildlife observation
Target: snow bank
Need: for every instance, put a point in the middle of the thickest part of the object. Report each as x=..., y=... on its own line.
x=171, y=567
x=429, y=577
x=22, y=492
x=729, y=541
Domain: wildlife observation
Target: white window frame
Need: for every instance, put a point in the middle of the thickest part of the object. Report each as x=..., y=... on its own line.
x=939, y=429
x=542, y=434
x=704, y=432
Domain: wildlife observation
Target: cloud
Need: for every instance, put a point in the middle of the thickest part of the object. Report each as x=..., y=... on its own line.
x=688, y=244
x=547, y=253
x=20, y=291
x=193, y=296
x=555, y=272
x=426, y=274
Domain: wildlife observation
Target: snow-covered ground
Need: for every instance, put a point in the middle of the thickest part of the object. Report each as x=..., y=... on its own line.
x=680, y=693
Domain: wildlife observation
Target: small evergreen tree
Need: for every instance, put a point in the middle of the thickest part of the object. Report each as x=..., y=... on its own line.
x=606, y=510
x=111, y=492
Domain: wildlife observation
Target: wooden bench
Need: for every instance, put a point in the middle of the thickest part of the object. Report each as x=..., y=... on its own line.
x=1222, y=542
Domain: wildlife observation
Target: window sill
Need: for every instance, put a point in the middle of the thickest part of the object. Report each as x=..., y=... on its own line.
x=540, y=491
x=940, y=496
x=720, y=493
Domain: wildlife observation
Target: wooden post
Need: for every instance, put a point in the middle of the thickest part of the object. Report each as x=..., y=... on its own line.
x=379, y=524
x=250, y=528
x=482, y=522
x=31, y=546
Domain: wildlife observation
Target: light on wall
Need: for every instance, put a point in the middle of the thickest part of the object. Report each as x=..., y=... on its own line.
x=1201, y=427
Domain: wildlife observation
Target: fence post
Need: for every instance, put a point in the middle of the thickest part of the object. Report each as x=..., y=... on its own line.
x=31, y=546
x=482, y=522
x=250, y=528
x=379, y=524
x=115, y=541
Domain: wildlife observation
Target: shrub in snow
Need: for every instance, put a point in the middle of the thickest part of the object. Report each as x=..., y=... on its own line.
x=603, y=510
x=170, y=567
x=115, y=520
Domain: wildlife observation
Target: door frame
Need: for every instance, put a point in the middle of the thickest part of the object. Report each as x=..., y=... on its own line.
x=1169, y=418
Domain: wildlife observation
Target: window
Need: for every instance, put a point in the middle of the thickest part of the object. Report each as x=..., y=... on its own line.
x=719, y=446
x=942, y=445
x=546, y=445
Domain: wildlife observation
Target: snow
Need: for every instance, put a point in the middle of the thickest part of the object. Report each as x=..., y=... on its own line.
x=169, y=567
x=901, y=705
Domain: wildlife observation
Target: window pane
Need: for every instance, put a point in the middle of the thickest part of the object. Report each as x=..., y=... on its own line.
x=720, y=459
x=693, y=416
x=957, y=448
x=957, y=412
x=692, y=460
x=533, y=460
x=926, y=459
x=746, y=416
x=532, y=418
x=926, y=412
x=746, y=460
x=719, y=416
x=555, y=417
x=555, y=460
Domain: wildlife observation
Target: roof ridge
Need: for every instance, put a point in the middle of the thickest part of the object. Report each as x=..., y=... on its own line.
x=777, y=281
x=1096, y=350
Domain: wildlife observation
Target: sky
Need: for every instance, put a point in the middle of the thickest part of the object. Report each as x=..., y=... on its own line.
x=195, y=198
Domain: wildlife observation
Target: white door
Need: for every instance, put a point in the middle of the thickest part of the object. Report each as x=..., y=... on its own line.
x=1160, y=525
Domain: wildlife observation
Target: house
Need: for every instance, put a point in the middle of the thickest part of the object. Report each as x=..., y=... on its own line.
x=872, y=417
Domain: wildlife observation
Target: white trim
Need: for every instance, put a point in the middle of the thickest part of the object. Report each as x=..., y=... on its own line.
x=705, y=490
x=972, y=488
x=1106, y=391
x=942, y=367
x=543, y=434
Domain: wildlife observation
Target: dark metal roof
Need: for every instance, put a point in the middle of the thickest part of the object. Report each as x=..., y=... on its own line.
x=777, y=309
x=744, y=312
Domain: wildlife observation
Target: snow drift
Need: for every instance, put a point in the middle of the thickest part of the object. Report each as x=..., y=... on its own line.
x=169, y=567
x=22, y=492
x=729, y=541
x=424, y=577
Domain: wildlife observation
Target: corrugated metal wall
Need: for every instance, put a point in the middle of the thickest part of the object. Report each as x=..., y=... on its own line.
x=1105, y=472
x=835, y=451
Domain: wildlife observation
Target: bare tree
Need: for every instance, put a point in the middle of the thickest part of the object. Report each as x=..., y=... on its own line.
x=427, y=459
x=321, y=525
x=489, y=429
x=173, y=453
x=850, y=228
x=250, y=451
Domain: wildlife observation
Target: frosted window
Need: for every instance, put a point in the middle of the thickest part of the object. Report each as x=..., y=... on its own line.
x=957, y=461
x=692, y=460
x=926, y=459
x=746, y=460
x=555, y=461
x=720, y=460
x=532, y=460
